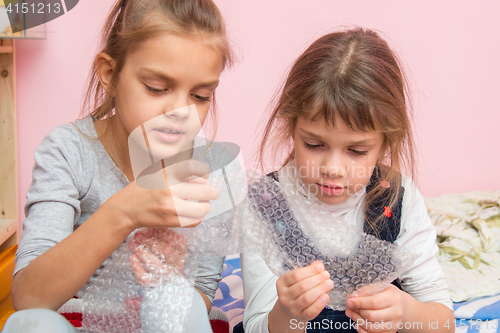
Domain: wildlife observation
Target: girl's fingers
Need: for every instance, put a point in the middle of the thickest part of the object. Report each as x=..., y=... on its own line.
x=378, y=301
x=360, y=321
x=169, y=254
x=299, y=274
x=148, y=268
x=377, y=323
x=193, y=191
x=168, y=208
x=306, y=285
x=178, y=242
x=307, y=298
x=187, y=222
x=197, y=180
x=191, y=209
x=164, y=236
x=140, y=273
x=155, y=235
x=166, y=244
x=151, y=261
x=188, y=169
x=354, y=316
x=378, y=316
x=361, y=330
x=313, y=310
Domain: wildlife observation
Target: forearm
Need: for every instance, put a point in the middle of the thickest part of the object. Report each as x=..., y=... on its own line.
x=425, y=317
x=57, y=275
x=280, y=320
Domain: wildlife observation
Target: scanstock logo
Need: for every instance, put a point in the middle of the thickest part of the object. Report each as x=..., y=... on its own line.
x=35, y=12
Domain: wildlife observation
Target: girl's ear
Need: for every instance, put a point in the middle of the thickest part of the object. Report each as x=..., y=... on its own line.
x=104, y=66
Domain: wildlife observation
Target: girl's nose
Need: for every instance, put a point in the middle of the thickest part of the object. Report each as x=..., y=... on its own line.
x=333, y=167
x=180, y=113
x=177, y=107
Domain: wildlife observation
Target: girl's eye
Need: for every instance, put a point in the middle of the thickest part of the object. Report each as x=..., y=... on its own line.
x=154, y=90
x=201, y=98
x=359, y=152
x=312, y=147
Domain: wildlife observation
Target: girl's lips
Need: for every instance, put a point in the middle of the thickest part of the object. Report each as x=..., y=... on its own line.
x=168, y=134
x=331, y=189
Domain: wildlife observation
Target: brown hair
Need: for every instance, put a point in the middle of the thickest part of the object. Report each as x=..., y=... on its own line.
x=353, y=76
x=131, y=22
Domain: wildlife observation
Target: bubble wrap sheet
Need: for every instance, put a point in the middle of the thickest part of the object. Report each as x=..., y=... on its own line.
x=118, y=302
x=273, y=221
x=301, y=232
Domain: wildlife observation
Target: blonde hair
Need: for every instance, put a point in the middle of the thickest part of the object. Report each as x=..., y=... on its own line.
x=355, y=77
x=131, y=22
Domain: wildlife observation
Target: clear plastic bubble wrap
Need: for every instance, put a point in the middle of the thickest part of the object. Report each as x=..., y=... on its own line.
x=117, y=302
x=303, y=231
x=284, y=227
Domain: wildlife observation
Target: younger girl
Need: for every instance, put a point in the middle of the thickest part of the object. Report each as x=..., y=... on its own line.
x=157, y=56
x=343, y=113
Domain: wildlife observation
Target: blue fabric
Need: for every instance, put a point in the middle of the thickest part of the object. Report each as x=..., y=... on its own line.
x=234, y=263
x=478, y=315
x=483, y=308
x=227, y=301
x=229, y=297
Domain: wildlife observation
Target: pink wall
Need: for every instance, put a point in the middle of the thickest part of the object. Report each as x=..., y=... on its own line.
x=450, y=47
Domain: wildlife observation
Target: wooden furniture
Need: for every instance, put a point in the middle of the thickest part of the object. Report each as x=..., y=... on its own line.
x=9, y=206
x=9, y=219
x=8, y=147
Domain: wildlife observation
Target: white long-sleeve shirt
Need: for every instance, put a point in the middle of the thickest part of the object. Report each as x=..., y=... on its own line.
x=423, y=280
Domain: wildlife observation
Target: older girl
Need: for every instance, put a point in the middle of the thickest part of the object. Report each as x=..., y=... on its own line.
x=157, y=56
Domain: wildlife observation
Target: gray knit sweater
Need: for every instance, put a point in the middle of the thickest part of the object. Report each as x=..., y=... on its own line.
x=72, y=177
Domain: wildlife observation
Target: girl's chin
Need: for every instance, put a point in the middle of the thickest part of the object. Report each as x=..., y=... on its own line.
x=161, y=151
x=332, y=199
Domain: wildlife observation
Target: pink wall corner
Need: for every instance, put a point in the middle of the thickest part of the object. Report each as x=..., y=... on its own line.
x=448, y=46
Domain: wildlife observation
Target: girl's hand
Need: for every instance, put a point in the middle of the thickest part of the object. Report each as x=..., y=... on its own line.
x=303, y=291
x=140, y=207
x=158, y=254
x=369, y=311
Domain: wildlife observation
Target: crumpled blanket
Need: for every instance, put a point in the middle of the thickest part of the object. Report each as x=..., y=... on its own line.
x=468, y=236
